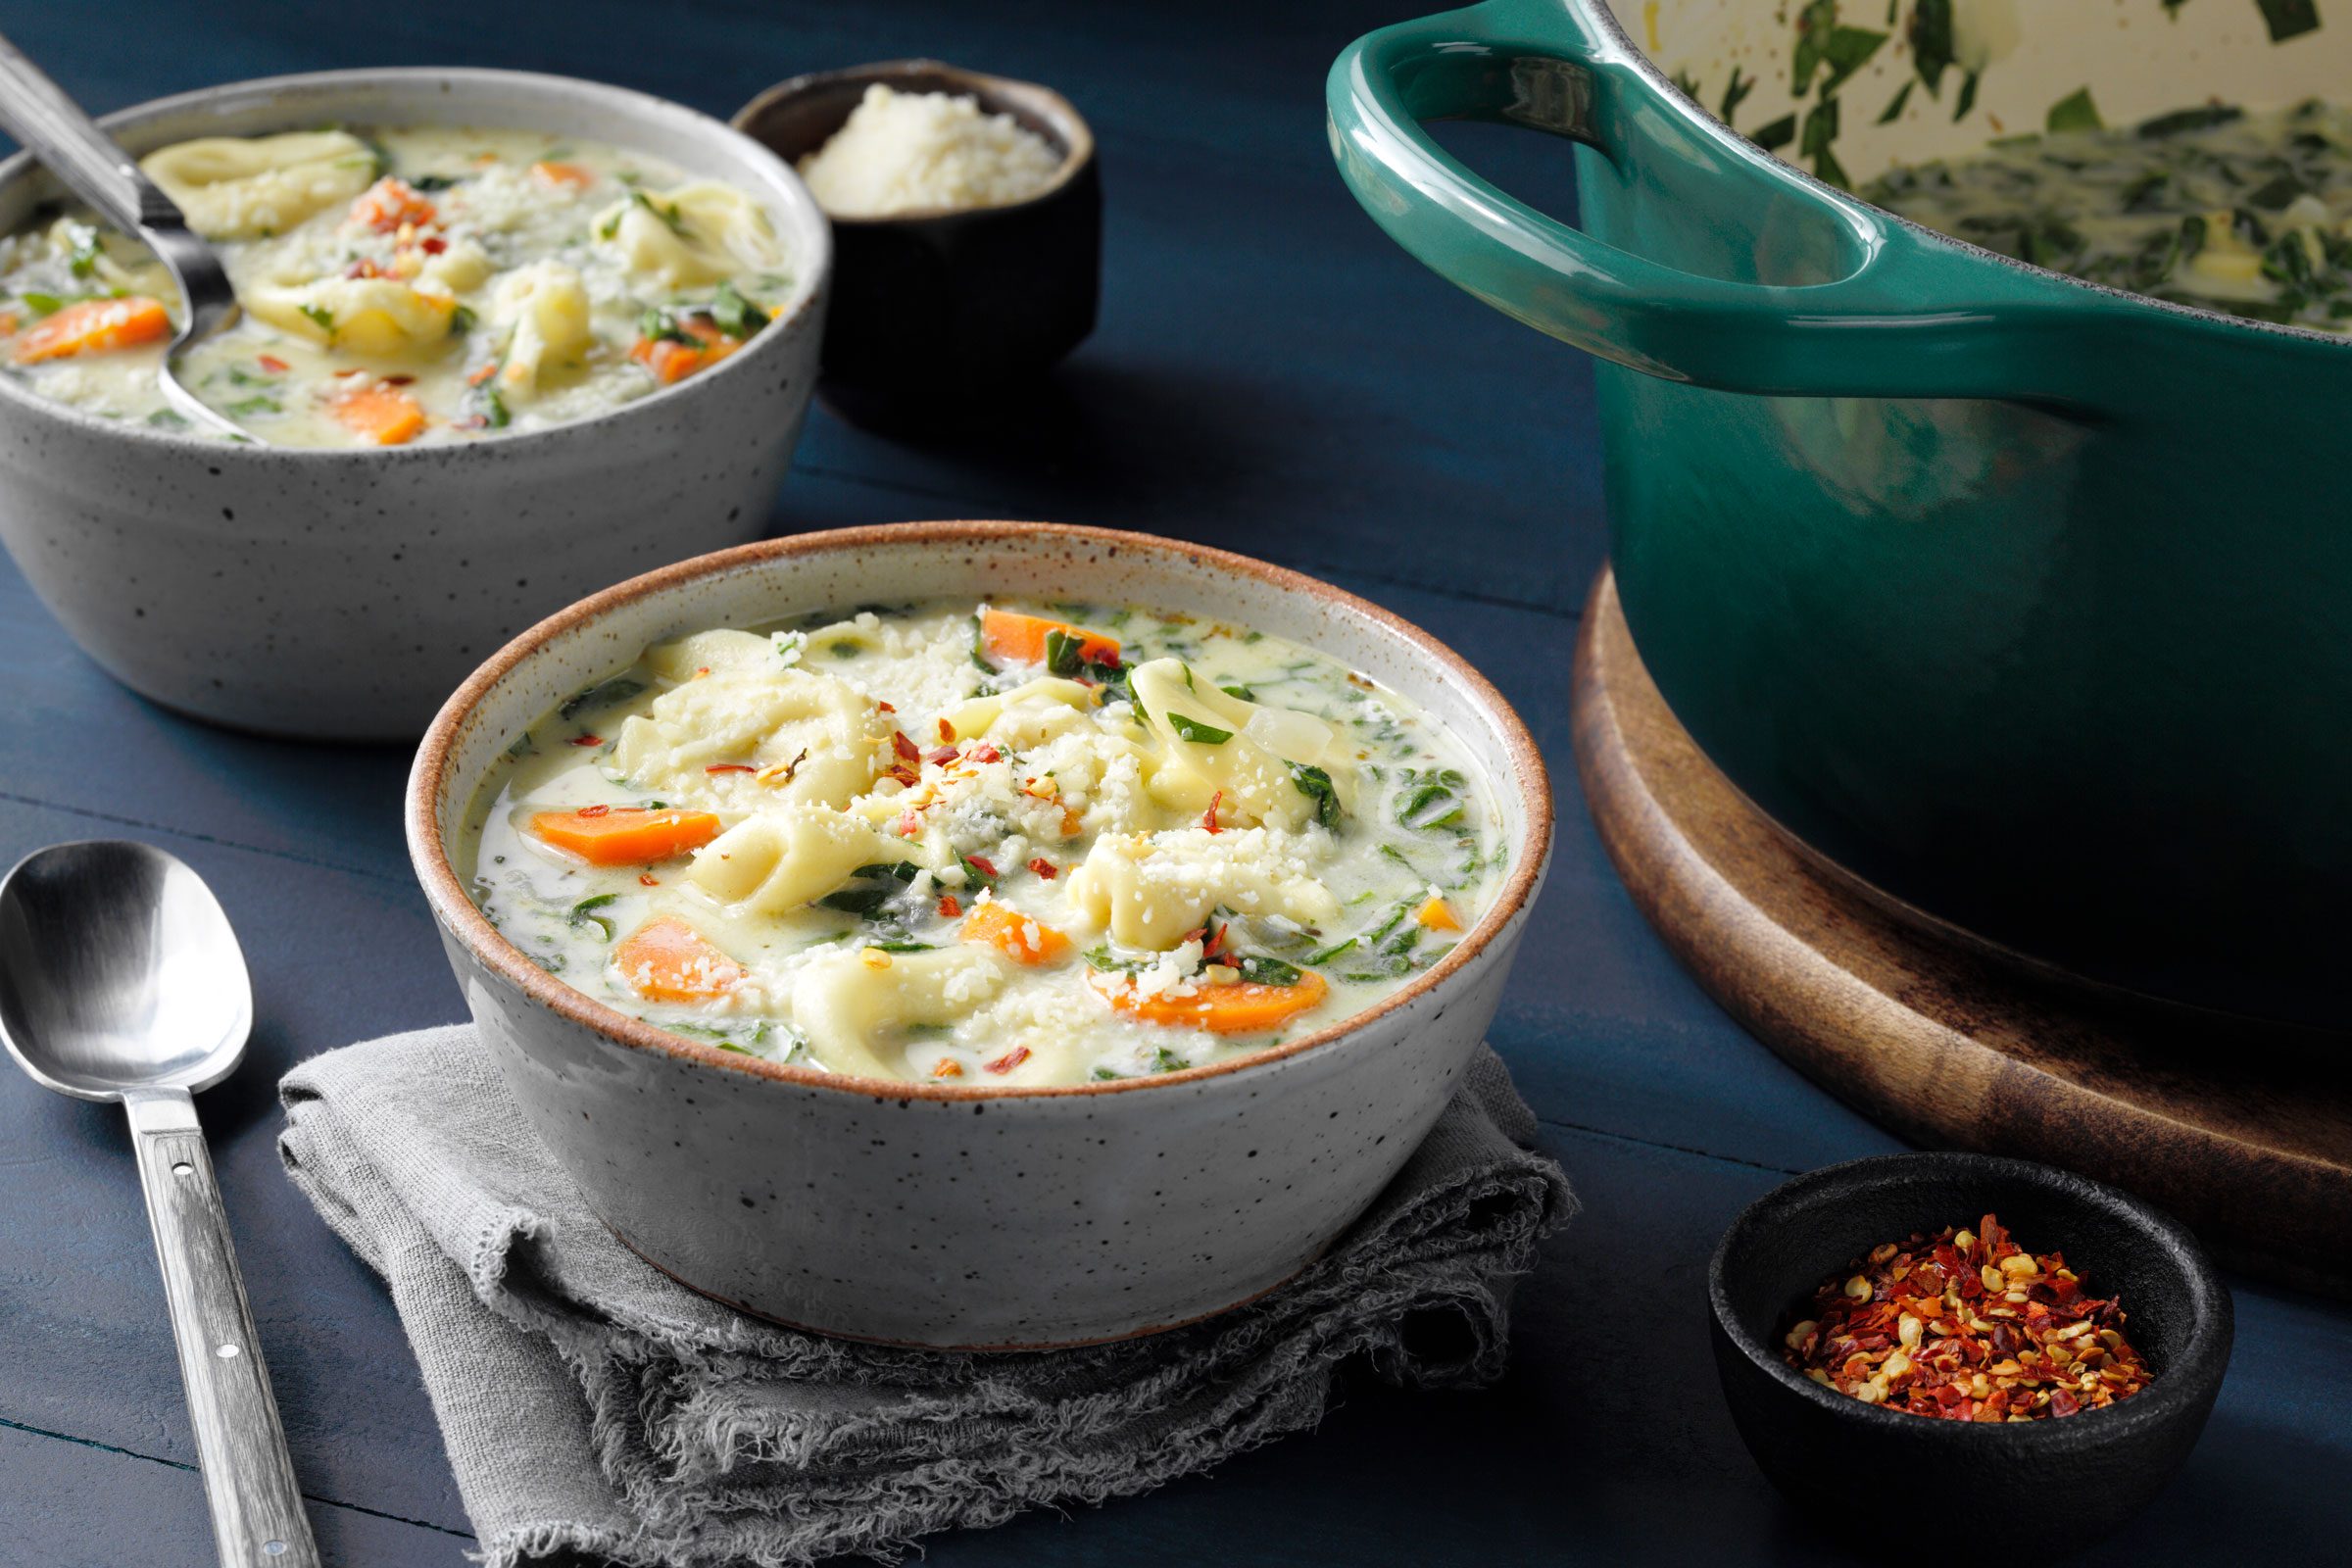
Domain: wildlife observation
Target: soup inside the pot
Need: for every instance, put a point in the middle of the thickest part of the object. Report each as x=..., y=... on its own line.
x=2243, y=212
x=1036, y=846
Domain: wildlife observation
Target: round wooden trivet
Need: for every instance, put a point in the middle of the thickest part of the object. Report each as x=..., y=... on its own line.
x=2243, y=1129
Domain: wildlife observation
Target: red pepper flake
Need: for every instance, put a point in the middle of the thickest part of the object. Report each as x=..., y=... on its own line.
x=904, y=775
x=949, y=909
x=1043, y=867
x=433, y=244
x=947, y=733
x=399, y=380
x=1010, y=1060
x=274, y=365
x=1213, y=940
x=646, y=879
x=731, y=767
x=364, y=268
x=985, y=868
x=947, y=1067
x=984, y=753
x=596, y=811
x=587, y=740
x=884, y=707
x=944, y=754
x=1209, y=818
x=906, y=747
x=910, y=825
x=1967, y=1326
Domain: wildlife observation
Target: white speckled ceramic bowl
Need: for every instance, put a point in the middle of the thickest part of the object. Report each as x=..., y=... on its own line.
x=935, y=1216
x=340, y=594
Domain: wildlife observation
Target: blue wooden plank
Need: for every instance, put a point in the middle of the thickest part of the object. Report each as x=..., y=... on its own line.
x=73, y=1504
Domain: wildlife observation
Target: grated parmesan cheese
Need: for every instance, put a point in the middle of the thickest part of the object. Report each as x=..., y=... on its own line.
x=926, y=152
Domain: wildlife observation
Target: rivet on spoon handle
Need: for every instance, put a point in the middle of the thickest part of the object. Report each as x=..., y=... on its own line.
x=248, y=1477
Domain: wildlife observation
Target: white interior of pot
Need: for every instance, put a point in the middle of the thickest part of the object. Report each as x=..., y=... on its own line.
x=2136, y=58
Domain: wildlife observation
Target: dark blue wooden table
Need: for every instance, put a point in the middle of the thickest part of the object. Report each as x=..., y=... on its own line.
x=1270, y=375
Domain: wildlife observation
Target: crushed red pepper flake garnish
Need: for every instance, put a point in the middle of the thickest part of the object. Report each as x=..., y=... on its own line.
x=906, y=747
x=1966, y=1326
x=947, y=733
x=1209, y=818
x=1010, y=1060
x=1043, y=868
x=587, y=740
x=731, y=767
x=985, y=866
x=644, y=878
x=596, y=811
x=949, y=909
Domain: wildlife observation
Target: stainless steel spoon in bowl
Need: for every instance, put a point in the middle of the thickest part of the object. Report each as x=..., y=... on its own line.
x=120, y=979
x=71, y=145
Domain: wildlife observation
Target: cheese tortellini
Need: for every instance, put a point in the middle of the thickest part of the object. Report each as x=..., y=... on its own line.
x=1216, y=746
x=544, y=310
x=380, y=317
x=252, y=187
x=779, y=861
x=692, y=235
x=989, y=848
x=816, y=740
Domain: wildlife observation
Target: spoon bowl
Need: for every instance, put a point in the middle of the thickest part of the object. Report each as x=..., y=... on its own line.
x=118, y=971
x=86, y=161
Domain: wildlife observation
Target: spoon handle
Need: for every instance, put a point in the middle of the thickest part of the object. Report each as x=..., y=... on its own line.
x=258, y=1520
x=71, y=145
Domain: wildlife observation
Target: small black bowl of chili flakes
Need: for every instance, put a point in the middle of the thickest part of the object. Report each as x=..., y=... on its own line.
x=1957, y=1325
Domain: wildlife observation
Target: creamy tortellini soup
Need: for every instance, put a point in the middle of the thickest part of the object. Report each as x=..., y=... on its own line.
x=400, y=286
x=991, y=845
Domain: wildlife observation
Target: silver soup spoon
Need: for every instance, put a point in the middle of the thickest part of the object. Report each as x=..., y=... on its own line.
x=120, y=979
x=71, y=145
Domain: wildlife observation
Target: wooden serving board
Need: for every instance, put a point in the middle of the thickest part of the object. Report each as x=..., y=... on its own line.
x=2242, y=1129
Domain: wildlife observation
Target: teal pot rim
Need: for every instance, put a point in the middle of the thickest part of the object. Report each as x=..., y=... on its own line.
x=1914, y=313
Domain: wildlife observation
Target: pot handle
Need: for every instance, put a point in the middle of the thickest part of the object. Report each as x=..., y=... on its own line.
x=1549, y=66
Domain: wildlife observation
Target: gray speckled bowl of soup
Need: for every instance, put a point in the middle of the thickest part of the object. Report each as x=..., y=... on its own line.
x=979, y=934
x=507, y=338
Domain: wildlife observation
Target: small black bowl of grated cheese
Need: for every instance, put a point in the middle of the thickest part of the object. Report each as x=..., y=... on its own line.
x=967, y=228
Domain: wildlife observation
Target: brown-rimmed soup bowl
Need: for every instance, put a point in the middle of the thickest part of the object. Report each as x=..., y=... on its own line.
x=927, y=1214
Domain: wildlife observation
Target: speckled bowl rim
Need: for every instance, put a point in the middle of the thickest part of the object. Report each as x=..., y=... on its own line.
x=2203, y=1356
x=1081, y=135
x=460, y=917
x=790, y=319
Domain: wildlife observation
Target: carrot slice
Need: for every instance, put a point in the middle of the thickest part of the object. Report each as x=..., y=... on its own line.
x=571, y=176
x=1245, y=1008
x=385, y=415
x=389, y=202
x=1021, y=639
x=1019, y=937
x=626, y=835
x=672, y=362
x=1438, y=915
x=94, y=326
x=665, y=960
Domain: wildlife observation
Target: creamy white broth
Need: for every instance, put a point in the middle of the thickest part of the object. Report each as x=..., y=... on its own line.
x=404, y=285
x=2244, y=212
x=907, y=863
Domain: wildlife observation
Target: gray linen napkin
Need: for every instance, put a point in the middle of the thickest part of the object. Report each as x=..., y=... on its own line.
x=591, y=1404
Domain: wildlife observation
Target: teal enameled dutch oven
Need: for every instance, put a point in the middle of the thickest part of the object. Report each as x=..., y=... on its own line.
x=2023, y=598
